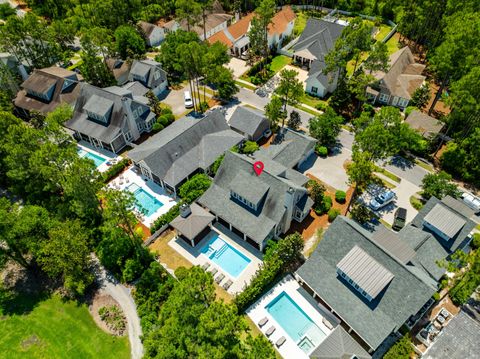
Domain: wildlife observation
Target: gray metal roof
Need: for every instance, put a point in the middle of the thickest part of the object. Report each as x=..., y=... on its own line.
x=289, y=152
x=456, y=206
x=458, y=340
x=339, y=345
x=249, y=121
x=365, y=271
x=390, y=241
x=374, y=320
x=445, y=220
x=248, y=187
x=195, y=223
x=185, y=146
x=270, y=211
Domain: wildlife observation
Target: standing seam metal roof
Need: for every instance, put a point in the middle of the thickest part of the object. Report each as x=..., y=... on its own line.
x=445, y=220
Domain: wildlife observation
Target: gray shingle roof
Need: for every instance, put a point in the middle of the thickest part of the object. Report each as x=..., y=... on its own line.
x=457, y=208
x=374, y=320
x=195, y=223
x=458, y=340
x=291, y=150
x=444, y=220
x=248, y=187
x=185, y=146
x=98, y=105
x=147, y=69
x=81, y=123
x=339, y=345
x=423, y=123
x=249, y=121
x=270, y=211
x=365, y=271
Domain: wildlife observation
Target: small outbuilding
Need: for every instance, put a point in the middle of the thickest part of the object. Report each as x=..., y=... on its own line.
x=426, y=125
x=250, y=123
x=193, y=223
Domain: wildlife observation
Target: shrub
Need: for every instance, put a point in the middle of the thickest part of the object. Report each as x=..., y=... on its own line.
x=194, y=187
x=115, y=170
x=166, y=111
x=157, y=127
x=166, y=218
x=321, y=106
x=322, y=151
x=409, y=110
x=203, y=106
x=402, y=349
x=436, y=296
x=326, y=204
x=165, y=119
x=340, y=196
x=249, y=147
x=476, y=241
x=332, y=214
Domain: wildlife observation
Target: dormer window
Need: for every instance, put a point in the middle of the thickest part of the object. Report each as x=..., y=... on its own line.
x=99, y=109
x=45, y=93
x=364, y=273
x=248, y=190
x=67, y=84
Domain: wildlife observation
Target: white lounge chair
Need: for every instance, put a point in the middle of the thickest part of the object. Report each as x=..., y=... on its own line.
x=280, y=342
x=270, y=331
x=262, y=322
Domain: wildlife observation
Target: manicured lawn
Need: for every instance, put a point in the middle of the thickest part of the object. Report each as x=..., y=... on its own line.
x=279, y=62
x=300, y=23
x=311, y=100
x=384, y=30
x=250, y=87
x=393, y=45
x=56, y=329
x=390, y=175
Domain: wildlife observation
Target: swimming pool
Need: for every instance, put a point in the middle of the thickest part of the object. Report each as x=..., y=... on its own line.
x=225, y=256
x=295, y=322
x=98, y=160
x=146, y=203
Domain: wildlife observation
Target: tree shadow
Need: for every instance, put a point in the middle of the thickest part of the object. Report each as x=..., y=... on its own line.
x=401, y=162
x=20, y=303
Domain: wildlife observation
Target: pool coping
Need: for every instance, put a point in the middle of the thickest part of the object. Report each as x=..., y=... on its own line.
x=258, y=311
x=107, y=155
x=196, y=257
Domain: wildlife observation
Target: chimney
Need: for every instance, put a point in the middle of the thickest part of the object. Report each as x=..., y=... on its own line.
x=185, y=210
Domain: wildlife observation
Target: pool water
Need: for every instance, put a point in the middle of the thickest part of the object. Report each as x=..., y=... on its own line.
x=98, y=160
x=295, y=322
x=146, y=203
x=225, y=256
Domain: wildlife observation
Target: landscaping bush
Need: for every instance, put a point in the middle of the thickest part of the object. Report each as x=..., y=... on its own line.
x=115, y=170
x=249, y=147
x=166, y=119
x=402, y=349
x=332, y=214
x=166, y=111
x=157, y=127
x=321, y=106
x=476, y=241
x=203, y=106
x=436, y=296
x=113, y=317
x=326, y=204
x=322, y=151
x=166, y=218
x=194, y=187
x=340, y=196
x=409, y=110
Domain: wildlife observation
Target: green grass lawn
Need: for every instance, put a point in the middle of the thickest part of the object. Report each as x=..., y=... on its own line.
x=393, y=45
x=55, y=329
x=279, y=62
x=384, y=30
x=311, y=100
x=300, y=23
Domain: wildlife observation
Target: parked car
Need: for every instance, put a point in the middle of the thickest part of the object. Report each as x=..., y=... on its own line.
x=188, y=99
x=382, y=200
x=399, y=219
x=471, y=201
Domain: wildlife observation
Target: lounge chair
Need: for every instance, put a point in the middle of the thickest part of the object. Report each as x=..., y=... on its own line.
x=280, y=342
x=270, y=331
x=214, y=271
x=205, y=266
x=262, y=322
x=219, y=278
x=227, y=284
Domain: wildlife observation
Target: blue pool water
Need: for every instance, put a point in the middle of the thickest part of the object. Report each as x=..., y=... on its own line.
x=98, y=160
x=146, y=203
x=225, y=256
x=295, y=322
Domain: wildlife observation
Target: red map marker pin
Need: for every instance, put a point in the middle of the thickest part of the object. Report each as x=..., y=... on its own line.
x=258, y=167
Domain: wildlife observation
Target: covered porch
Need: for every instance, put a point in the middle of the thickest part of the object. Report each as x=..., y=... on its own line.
x=304, y=58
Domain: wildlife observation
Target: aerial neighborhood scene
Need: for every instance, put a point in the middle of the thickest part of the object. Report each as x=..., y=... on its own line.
x=253, y=179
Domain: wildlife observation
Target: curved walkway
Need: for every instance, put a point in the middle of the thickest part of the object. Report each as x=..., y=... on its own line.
x=122, y=295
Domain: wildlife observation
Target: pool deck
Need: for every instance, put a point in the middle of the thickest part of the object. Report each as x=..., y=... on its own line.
x=129, y=177
x=196, y=257
x=107, y=155
x=258, y=311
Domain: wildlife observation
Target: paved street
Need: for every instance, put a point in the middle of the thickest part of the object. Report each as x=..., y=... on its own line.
x=406, y=170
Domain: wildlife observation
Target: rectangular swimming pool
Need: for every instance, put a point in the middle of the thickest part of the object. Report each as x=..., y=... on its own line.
x=98, y=160
x=295, y=322
x=225, y=256
x=146, y=203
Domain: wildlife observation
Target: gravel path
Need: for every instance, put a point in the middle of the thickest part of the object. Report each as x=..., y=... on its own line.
x=122, y=295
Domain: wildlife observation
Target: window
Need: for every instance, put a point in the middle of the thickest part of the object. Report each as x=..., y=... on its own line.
x=96, y=116
x=342, y=274
x=356, y=286
x=138, y=78
x=384, y=97
x=128, y=136
x=314, y=89
x=156, y=75
x=403, y=102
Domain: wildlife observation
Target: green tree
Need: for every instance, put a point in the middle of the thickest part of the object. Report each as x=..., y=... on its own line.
x=250, y=147
x=258, y=32
x=274, y=112
x=402, y=349
x=326, y=127
x=438, y=185
x=294, y=120
x=65, y=256
x=421, y=96
x=290, y=89
x=222, y=80
x=194, y=187
x=317, y=192
x=377, y=59
x=6, y=10
x=129, y=42
x=360, y=170
x=361, y=213
x=190, y=11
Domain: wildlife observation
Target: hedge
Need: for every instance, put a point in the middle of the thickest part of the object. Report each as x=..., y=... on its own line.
x=115, y=170
x=166, y=218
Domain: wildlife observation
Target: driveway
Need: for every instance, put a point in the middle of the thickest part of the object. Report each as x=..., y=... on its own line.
x=302, y=74
x=109, y=285
x=174, y=98
x=239, y=67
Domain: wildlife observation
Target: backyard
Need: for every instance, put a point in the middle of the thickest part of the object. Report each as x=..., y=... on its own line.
x=34, y=327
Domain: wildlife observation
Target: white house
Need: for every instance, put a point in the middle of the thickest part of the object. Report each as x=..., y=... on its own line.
x=153, y=34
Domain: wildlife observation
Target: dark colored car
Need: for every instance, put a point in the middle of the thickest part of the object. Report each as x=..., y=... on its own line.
x=399, y=219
